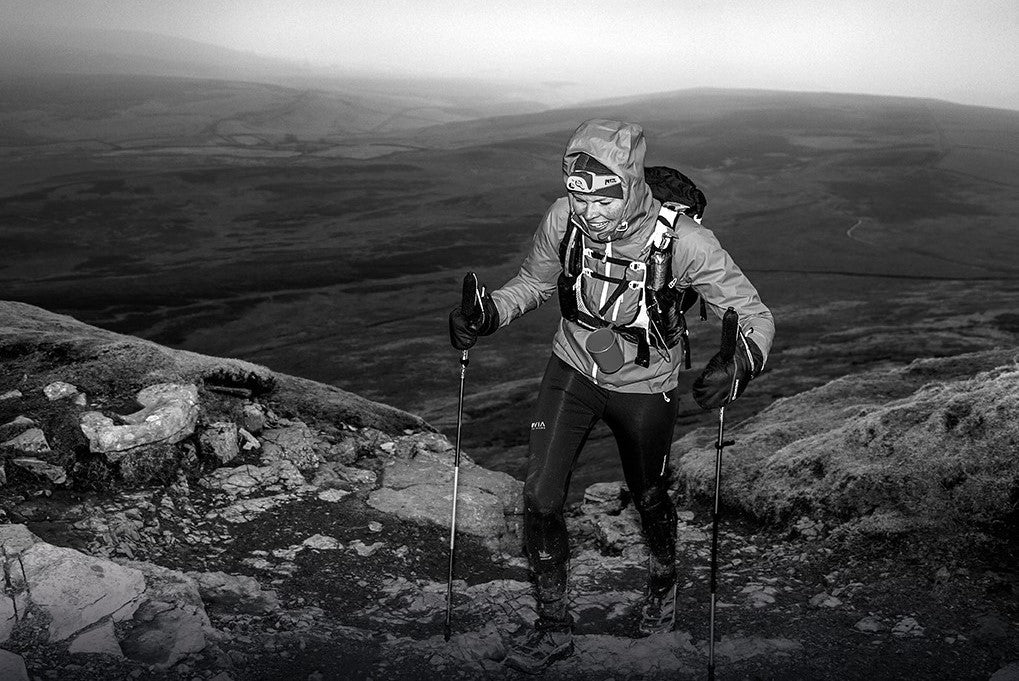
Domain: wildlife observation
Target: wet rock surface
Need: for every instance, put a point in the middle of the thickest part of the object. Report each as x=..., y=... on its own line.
x=318, y=549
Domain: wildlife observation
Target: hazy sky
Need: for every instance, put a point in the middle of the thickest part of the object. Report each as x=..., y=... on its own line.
x=961, y=50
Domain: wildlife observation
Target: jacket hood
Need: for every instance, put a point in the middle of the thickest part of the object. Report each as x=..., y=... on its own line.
x=621, y=148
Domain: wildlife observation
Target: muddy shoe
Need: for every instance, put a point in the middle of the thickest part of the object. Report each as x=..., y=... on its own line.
x=543, y=647
x=658, y=614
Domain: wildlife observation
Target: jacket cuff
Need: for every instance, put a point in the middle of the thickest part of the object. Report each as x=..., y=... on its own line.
x=753, y=356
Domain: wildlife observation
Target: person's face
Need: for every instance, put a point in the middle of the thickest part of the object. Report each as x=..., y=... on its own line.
x=601, y=214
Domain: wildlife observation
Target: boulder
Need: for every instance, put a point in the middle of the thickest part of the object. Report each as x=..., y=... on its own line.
x=12, y=667
x=436, y=469
x=931, y=442
x=294, y=443
x=1009, y=672
x=59, y=390
x=234, y=593
x=331, y=475
x=420, y=489
x=164, y=633
x=243, y=481
x=156, y=463
x=15, y=538
x=619, y=532
x=100, y=639
x=73, y=589
x=253, y=418
x=55, y=474
x=246, y=510
x=31, y=441
x=169, y=415
x=219, y=441
x=16, y=427
x=171, y=623
x=604, y=498
x=345, y=451
x=10, y=610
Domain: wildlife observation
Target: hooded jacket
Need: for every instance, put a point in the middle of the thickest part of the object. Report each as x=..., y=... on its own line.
x=698, y=261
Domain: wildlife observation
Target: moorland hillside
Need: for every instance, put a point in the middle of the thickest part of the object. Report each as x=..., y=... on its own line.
x=214, y=217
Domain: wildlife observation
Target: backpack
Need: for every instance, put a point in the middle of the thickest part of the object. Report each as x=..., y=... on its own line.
x=668, y=185
x=679, y=192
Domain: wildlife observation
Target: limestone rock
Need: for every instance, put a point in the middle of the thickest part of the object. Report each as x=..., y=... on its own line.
x=234, y=593
x=58, y=390
x=247, y=510
x=604, y=498
x=171, y=623
x=479, y=512
x=16, y=427
x=322, y=543
x=420, y=489
x=246, y=480
x=254, y=418
x=869, y=625
x=169, y=415
x=32, y=441
x=219, y=440
x=618, y=532
x=164, y=633
x=294, y=443
x=345, y=451
x=99, y=639
x=249, y=441
x=365, y=550
x=8, y=616
x=11, y=395
x=933, y=441
x=12, y=667
x=411, y=446
x=435, y=469
x=825, y=600
x=74, y=589
x=907, y=626
x=55, y=474
x=16, y=538
x=332, y=495
x=1007, y=673
x=337, y=475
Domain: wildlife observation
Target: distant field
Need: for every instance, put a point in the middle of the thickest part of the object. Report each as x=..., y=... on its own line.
x=288, y=229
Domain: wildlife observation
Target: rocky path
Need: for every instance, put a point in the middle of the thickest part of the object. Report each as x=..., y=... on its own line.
x=172, y=517
x=301, y=579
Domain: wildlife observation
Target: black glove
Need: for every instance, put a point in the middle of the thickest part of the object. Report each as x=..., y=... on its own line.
x=475, y=316
x=728, y=372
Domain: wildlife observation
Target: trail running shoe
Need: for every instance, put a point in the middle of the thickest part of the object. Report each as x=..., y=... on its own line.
x=658, y=614
x=542, y=648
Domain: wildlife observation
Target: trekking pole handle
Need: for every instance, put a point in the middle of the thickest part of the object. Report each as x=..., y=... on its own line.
x=730, y=334
x=470, y=298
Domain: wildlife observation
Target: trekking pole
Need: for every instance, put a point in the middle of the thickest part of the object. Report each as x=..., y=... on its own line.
x=467, y=302
x=730, y=328
x=456, y=480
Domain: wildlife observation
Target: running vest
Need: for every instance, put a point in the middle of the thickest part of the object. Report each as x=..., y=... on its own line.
x=660, y=320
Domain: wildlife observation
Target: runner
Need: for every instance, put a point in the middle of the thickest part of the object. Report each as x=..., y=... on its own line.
x=620, y=261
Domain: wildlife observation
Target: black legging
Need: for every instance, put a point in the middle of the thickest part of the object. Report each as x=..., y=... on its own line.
x=569, y=405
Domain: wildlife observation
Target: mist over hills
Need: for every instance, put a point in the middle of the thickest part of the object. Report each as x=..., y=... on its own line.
x=33, y=49
x=323, y=231
x=28, y=51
